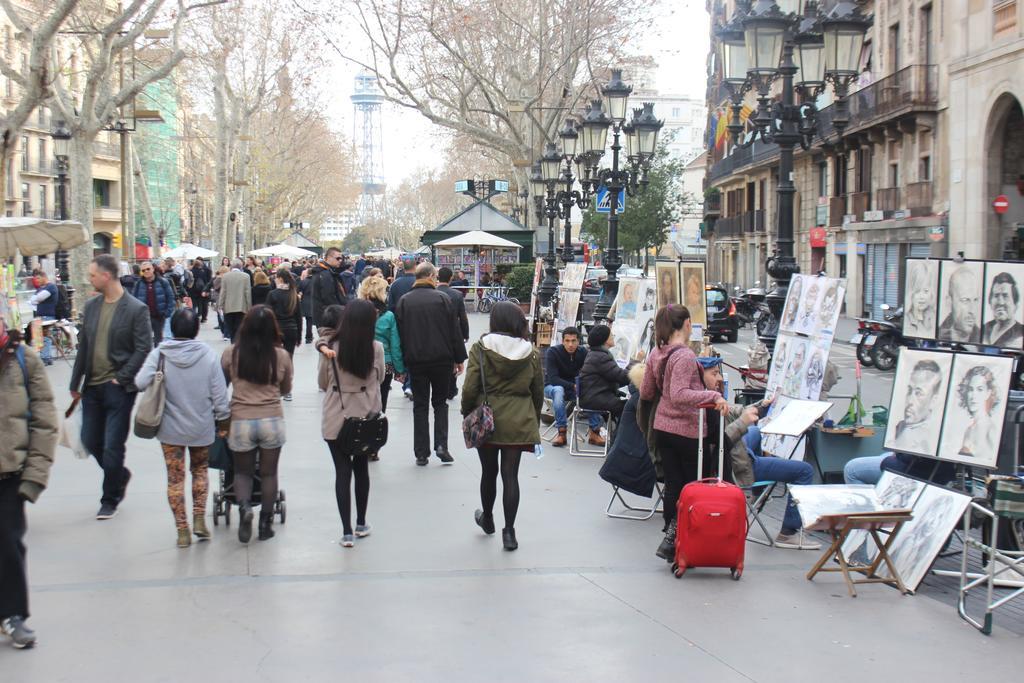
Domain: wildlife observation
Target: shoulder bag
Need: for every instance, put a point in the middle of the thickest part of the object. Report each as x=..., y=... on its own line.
x=478, y=426
x=360, y=435
x=151, y=405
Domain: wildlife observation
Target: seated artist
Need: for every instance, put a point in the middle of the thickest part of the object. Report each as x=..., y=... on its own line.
x=868, y=469
x=601, y=379
x=749, y=464
x=562, y=365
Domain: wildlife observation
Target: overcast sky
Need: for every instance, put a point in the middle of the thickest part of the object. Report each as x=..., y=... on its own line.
x=678, y=41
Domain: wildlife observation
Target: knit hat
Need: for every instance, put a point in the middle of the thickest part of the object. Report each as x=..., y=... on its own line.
x=708, y=362
x=598, y=336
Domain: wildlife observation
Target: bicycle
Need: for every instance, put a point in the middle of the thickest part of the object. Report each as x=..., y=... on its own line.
x=493, y=296
x=64, y=336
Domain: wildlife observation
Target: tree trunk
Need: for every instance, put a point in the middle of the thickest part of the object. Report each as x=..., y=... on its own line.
x=81, y=209
x=147, y=206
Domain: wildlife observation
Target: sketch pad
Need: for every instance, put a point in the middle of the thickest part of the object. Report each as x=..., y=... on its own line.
x=796, y=417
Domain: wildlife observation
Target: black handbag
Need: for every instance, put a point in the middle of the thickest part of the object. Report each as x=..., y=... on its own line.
x=360, y=435
x=220, y=457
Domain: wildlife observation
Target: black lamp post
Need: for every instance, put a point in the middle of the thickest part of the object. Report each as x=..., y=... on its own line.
x=757, y=47
x=641, y=142
x=542, y=193
x=61, y=139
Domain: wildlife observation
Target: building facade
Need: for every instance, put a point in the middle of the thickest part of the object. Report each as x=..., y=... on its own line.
x=934, y=135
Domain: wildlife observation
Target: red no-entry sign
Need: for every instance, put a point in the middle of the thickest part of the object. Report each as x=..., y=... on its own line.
x=1001, y=203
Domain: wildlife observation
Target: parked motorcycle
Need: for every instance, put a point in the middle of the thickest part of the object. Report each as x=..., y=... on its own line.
x=750, y=304
x=879, y=341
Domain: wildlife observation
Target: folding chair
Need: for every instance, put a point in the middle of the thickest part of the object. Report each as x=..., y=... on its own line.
x=551, y=430
x=756, y=503
x=578, y=445
x=646, y=513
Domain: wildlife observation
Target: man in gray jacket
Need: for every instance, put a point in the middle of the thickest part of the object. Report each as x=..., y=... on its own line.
x=113, y=341
x=235, y=298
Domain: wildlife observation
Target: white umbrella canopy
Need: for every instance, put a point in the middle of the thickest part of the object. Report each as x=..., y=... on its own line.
x=477, y=238
x=390, y=253
x=189, y=251
x=281, y=250
x=34, y=236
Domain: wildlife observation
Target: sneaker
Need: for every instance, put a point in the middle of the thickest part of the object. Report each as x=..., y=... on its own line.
x=124, y=485
x=421, y=462
x=795, y=541
x=348, y=540
x=362, y=530
x=287, y=397
x=444, y=456
x=106, y=511
x=21, y=635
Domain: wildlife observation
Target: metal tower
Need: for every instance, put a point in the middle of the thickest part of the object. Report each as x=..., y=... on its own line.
x=366, y=133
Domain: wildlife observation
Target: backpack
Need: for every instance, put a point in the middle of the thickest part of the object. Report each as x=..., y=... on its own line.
x=62, y=309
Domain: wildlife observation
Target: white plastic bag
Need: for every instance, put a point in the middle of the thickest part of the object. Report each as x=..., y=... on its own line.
x=71, y=432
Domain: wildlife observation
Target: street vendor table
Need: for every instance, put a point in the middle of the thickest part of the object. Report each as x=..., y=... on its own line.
x=833, y=448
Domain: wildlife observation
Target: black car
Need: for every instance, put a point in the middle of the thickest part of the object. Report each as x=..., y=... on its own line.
x=722, y=320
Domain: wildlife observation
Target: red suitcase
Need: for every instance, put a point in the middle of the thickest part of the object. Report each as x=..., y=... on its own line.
x=711, y=518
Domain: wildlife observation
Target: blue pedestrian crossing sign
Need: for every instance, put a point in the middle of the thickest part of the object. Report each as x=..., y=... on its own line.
x=604, y=200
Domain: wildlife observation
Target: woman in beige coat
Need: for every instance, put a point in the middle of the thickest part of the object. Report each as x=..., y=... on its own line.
x=350, y=374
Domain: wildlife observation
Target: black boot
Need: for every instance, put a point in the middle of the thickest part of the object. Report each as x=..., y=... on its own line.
x=244, y=522
x=508, y=538
x=484, y=521
x=667, y=549
x=266, y=526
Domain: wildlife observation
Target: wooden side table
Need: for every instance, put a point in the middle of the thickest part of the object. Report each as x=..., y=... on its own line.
x=840, y=526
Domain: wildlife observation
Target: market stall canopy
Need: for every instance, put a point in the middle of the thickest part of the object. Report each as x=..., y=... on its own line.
x=189, y=251
x=34, y=236
x=282, y=250
x=390, y=253
x=477, y=238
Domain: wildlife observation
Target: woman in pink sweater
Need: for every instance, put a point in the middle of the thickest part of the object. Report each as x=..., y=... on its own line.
x=672, y=372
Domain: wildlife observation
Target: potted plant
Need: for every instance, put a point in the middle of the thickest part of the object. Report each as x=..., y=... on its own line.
x=520, y=284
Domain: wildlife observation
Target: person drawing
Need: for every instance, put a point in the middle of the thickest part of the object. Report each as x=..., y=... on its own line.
x=792, y=303
x=918, y=431
x=977, y=394
x=829, y=305
x=1003, y=298
x=961, y=324
x=919, y=318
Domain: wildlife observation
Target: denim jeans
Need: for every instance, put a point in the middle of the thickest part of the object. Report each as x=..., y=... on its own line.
x=866, y=470
x=106, y=416
x=557, y=395
x=47, y=353
x=786, y=471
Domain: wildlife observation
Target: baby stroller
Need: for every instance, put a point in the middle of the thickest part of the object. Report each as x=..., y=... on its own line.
x=223, y=498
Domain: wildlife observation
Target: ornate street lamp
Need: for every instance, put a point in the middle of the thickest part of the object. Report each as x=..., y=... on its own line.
x=61, y=135
x=544, y=185
x=825, y=48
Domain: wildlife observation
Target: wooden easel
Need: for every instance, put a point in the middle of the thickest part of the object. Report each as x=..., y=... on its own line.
x=840, y=526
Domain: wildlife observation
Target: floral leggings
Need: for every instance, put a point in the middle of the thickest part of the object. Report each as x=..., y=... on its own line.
x=174, y=457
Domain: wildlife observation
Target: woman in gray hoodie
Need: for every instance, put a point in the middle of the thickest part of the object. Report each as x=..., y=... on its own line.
x=196, y=396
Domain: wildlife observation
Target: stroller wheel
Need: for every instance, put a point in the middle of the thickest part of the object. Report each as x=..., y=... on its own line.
x=282, y=511
x=281, y=496
x=227, y=514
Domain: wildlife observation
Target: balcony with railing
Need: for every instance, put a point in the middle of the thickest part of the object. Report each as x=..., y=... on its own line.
x=919, y=198
x=753, y=221
x=741, y=157
x=729, y=228
x=712, y=204
x=45, y=169
x=911, y=89
x=859, y=203
x=888, y=199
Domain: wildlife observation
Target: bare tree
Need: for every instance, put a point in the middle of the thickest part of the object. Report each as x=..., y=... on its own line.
x=35, y=78
x=105, y=40
x=504, y=74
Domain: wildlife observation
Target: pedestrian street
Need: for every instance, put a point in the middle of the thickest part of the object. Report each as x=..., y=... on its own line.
x=428, y=597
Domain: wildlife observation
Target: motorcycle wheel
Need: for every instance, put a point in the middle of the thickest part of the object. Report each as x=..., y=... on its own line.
x=885, y=353
x=864, y=355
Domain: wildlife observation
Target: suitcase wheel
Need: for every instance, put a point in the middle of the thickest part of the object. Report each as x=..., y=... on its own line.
x=737, y=573
x=678, y=571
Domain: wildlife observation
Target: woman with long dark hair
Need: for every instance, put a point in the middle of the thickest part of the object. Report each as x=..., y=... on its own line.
x=674, y=376
x=511, y=368
x=351, y=380
x=284, y=301
x=261, y=373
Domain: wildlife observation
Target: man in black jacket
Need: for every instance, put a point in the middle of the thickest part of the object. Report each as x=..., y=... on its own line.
x=433, y=349
x=601, y=378
x=444, y=278
x=562, y=365
x=202, y=283
x=113, y=341
x=402, y=284
x=326, y=287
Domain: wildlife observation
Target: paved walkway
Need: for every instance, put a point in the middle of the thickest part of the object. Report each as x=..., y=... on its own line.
x=429, y=598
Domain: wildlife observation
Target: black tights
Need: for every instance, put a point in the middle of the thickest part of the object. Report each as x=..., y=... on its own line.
x=245, y=466
x=510, y=456
x=345, y=465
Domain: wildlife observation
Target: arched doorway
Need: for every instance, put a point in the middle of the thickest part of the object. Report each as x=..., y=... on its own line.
x=1004, y=175
x=100, y=243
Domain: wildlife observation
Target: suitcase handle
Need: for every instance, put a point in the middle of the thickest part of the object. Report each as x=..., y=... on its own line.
x=700, y=443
